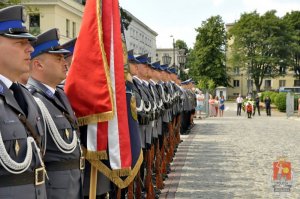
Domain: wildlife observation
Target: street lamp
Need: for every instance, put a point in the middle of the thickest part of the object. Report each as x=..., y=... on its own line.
x=166, y=59
x=173, y=50
x=181, y=58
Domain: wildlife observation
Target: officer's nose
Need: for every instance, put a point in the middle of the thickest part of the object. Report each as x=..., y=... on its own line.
x=65, y=63
x=29, y=48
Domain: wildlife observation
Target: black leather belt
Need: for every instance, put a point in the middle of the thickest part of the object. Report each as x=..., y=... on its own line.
x=143, y=119
x=36, y=178
x=65, y=165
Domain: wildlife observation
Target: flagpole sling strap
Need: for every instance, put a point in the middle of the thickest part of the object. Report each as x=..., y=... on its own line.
x=30, y=130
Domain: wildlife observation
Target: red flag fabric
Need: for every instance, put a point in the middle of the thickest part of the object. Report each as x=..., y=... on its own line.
x=98, y=65
x=88, y=83
x=118, y=131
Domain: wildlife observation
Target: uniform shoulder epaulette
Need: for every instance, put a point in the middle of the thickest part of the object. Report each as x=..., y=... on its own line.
x=31, y=89
x=24, y=86
x=59, y=88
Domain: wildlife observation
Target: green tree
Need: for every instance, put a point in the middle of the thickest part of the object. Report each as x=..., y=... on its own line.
x=208, y=55
x=6, y=3
x=261, y=46
x=180, y=44
x=293, y=21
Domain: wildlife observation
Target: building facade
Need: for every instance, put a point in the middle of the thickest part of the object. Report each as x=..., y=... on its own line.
x=66, y=15
x=140, y=37
x=240, y=78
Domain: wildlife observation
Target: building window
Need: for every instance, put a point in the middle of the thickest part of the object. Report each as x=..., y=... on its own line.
x=34, y=24
x=236, y=70
x=296, y=82
x=267, y=84
x=236, y=83
x=281, y=83
x=131, y=32
x=249, y=83
x=67, y=28
x=74, y=29
x=282, y=69
x=268, y=70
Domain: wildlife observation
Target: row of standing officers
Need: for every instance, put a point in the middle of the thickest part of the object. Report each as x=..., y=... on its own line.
x=165, y=108
x=40, y=149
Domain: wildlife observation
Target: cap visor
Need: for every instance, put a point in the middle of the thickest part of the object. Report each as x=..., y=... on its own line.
x=28, y=36
x=59, y=51
x=134, y=61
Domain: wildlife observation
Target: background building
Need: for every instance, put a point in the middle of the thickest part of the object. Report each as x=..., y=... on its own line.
x=140, y=37
x=171, y=52
x=240, y=78
x=66, y=15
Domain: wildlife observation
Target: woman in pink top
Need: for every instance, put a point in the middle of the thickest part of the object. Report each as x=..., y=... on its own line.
x=216, y=105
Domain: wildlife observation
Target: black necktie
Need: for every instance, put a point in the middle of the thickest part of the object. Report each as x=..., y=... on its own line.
x=58, y=96
x=19, y=97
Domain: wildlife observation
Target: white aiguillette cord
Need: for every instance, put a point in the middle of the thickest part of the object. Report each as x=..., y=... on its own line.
x=14, y=167
x=58, y=140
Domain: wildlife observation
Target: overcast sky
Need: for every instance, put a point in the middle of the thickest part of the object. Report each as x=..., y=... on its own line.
x=180, y=17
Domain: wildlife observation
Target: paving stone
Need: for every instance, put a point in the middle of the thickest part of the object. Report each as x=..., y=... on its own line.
x=232, y=157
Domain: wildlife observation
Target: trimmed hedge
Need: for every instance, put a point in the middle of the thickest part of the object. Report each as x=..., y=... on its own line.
x=271, y=94
x=280, y=101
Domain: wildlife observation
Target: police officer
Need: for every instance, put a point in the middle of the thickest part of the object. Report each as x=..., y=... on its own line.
x=63, y=158
x=70, y=45
x=68, y=57
x=21, y=168
x=154, y=79
x=151, y=132
x=186, y=107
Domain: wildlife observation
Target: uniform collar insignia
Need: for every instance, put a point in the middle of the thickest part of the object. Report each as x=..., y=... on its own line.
x=49, y=93
x=1, y=89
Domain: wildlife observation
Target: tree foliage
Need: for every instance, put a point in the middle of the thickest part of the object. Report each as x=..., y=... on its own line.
x=261, y=45
x=180, y=44
x=6, y=3
x=293, y=21
x=207, y=58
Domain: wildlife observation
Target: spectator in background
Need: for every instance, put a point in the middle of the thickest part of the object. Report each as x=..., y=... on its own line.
x=256, y=105
x=200, y=103
x=249, y=107
x=268, y=105
x=216, y=105
x=212, y=110
x=222, y=106
x=239, y=101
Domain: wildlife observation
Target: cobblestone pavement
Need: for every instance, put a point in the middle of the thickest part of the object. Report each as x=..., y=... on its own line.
x=232, y=157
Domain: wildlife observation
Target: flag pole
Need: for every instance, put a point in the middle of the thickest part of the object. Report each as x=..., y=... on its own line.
x=93, y=182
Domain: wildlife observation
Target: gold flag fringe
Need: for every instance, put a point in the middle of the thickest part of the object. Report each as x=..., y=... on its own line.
x=94, y=155
x=95, y=118
x=115, y=175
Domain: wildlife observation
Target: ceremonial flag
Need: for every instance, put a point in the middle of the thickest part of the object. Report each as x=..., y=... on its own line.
x=96, y=88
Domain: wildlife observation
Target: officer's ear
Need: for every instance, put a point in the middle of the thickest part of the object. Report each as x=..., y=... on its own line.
x=37, y=64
